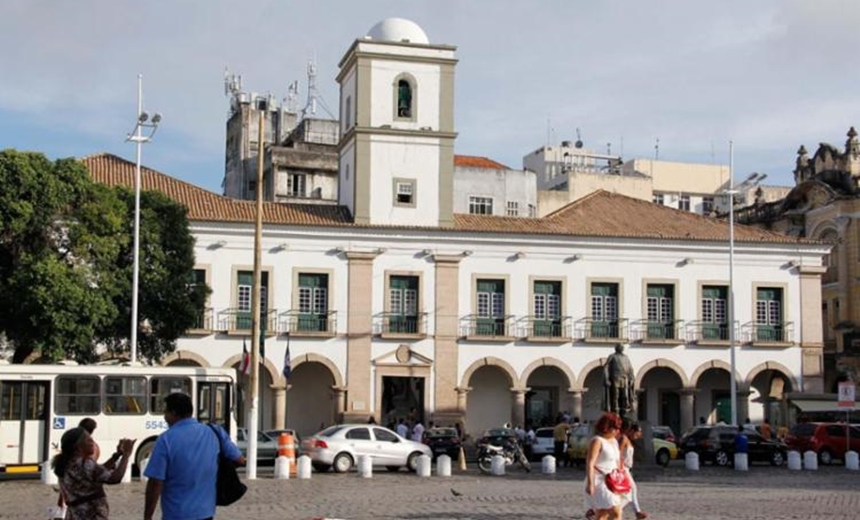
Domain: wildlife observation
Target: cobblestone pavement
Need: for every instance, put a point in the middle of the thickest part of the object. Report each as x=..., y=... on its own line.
x=673, y=493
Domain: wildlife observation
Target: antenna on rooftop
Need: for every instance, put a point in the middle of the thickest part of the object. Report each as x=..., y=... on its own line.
x=608, y=148
x=578, y=143
x=657, y=150
x=314, y=96
x=232, y=83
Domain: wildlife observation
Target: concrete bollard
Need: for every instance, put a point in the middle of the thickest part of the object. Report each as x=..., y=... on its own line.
x=423, y=466
x=443, y=466
x=794, y=463
x=142, y=468
x=692, y=461
x=304, y=467
x=126, y=477
x=365, y=466
x=497, y=465
x=742, y=462
x=810, y=461
x=852, y=461
x=282, y=468
x=547, y=465
x=48, y=475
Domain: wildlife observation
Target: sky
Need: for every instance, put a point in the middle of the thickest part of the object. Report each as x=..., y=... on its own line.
x=768, y=75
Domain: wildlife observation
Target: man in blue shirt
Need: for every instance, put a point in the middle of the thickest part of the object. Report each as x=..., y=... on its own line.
x=183, y=467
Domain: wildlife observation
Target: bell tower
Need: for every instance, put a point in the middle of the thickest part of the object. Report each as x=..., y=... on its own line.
x=396, y=163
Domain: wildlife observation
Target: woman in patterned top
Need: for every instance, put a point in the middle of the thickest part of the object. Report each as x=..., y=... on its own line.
x=82, y=479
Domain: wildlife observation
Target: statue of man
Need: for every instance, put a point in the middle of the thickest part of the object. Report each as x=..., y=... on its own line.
x=618, y=379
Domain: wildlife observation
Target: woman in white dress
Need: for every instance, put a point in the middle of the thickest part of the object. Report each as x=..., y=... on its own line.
x=602, y=458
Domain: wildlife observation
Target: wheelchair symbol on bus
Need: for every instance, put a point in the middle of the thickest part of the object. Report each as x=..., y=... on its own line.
x=59, y=423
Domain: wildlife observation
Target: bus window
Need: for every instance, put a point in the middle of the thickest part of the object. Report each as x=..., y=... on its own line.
x=125, y=395
x=36, y=402
x=10, y=403
x=78, y=395
x=161, y=387
x=213, y=403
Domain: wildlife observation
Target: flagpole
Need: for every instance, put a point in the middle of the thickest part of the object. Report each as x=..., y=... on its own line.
x=256, y=307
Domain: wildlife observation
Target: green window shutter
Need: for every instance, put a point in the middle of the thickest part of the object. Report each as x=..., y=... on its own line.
x=660, y=291
x=491, y=286
x=245, y=278
x=313, y=280
x=769, y=294
x=711, y=291
x=404, y=282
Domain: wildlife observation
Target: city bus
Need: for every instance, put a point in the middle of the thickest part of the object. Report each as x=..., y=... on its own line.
x=38, y=403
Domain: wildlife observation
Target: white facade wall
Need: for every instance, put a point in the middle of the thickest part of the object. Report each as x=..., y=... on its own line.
x=425, y=94
x=502, y=186
x=346, y=177
x=413, y=158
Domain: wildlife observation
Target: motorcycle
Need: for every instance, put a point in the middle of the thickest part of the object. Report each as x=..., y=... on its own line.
x=510, y=450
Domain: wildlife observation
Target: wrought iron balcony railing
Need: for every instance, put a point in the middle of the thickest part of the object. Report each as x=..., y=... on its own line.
x=589, y=329
x=762, y=333
x=538, y=328
x=391, y=324
x=646, y=330
x=312, y=324
x=234, y=320
x=474, y=326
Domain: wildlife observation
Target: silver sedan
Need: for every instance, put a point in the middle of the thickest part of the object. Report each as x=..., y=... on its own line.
x=340, y=447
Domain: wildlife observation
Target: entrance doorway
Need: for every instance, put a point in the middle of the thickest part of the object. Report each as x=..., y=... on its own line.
x=723, y=407
x=670, y=410
x=402, y=397
x=541, y=406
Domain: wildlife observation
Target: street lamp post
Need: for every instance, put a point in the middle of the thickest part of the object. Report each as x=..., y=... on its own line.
x=753, y=180
x=136, y=136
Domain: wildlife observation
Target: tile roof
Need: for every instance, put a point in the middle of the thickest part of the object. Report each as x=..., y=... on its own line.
x=473, y=161
x=600, y=214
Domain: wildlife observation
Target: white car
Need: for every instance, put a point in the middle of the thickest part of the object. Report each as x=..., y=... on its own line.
x=340, y=447
x=544, y=443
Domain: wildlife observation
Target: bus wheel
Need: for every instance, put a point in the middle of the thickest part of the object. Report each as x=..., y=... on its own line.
x=143, y=453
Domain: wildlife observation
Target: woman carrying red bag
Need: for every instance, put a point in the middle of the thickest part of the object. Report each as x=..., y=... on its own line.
x=606, y=483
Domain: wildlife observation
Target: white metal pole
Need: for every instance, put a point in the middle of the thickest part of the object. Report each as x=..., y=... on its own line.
x=136, y=269
x=256, y=306
x=732, y=382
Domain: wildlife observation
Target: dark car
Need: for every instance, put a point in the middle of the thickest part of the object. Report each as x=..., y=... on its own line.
x=442, y=441
x=496, y=436
x=716, y=444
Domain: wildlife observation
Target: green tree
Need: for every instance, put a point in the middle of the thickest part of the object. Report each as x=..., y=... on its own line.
x=66, y=263
x=169, y=303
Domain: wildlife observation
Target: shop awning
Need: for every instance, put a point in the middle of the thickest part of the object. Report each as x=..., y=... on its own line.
x=812, y=405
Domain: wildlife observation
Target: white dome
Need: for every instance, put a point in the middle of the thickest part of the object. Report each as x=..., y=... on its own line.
x=398, y=30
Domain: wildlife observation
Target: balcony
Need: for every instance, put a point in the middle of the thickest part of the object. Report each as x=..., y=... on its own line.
x=238, y=322
x=601, y=331
x=303, y=324
x=388, y=325
x=481, y=328
x=203, y=325
x=542, y=330
x=768, y=335
x=709, y=333
x=657, y=332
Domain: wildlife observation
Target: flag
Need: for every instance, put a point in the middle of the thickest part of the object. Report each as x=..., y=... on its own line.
x=288, y=367
x=245, y=367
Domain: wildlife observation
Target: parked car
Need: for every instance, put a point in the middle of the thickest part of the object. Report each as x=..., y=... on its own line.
x=443, y=441
x=716, y=444
x=664, y=433
x=496, y=436
x=297, y=441
x=267, y=447
x=577, y=442
x=800, y=435
x=543, y=444
x=340, y=447
x=829, y=441
x=664, y=451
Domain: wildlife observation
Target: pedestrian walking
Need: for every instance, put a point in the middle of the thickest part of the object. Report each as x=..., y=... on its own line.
x=559, y=439
x=766, y=430
x=183, y=466
x=82, y=479
x=602, y=458
x=632, y=433
x=402, y=429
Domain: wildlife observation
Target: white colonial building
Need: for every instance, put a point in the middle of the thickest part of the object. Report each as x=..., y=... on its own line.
x=391, y=300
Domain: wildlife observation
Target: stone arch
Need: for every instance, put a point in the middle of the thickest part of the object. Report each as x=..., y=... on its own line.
x=316, y=358
x=184, y=355
x=491, y=361
x=661, y=363
x=771, y=365
x=274, y=372
x=715, y=363
x=549, y=362
x=583, y=374
x=822, y=228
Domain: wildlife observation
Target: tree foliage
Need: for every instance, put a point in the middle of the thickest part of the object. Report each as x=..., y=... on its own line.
x=66, y=250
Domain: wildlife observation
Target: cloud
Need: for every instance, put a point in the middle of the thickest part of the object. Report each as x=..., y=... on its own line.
x=768, y=74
